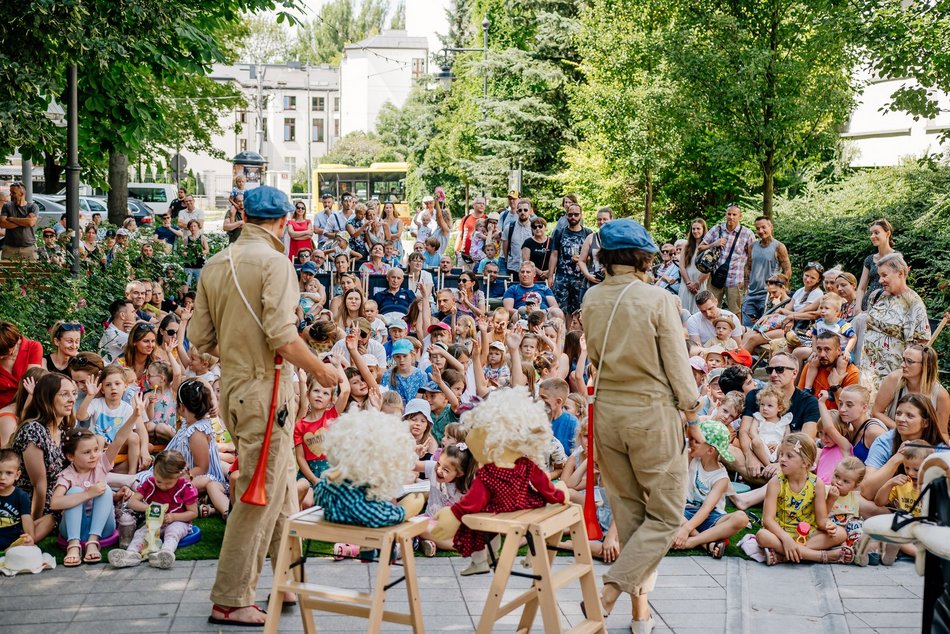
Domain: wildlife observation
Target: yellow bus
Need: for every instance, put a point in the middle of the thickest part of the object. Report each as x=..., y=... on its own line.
x=386, y=182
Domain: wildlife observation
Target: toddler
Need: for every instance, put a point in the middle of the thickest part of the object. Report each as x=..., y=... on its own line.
x=714, y=358
x=166, y=485
x=391, y=404
x=770, y=423
x=478, y=241
x=835, y=437
x=795, y=496
x=705, y=521
x=450, y=477
x=724, y=328
x=312, y=300
x=844, y=500
x=495, y=369
x=161, y=402
x=829, y=311
x=196, y=442
x=309, y=430
x=204, y=366
x=106, y=412
x=83, y=483
x=901, y=492
x=377, y=325
x=443, y=394
x=16, y=519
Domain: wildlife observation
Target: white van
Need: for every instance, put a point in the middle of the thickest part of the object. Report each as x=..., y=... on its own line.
x=156, y=196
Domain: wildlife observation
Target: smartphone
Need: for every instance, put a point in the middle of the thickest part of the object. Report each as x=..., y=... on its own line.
x=523, y=323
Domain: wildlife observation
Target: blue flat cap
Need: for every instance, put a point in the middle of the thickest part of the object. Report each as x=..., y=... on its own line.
x=625, y=234
x=267, y=202
x=309, y=267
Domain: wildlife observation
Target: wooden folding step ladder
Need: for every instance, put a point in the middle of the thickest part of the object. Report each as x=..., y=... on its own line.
x=542, y=528
x=309, y=524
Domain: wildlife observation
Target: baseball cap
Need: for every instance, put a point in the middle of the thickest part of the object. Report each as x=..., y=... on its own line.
x=309, y=267
x=740, y=356
x=418, y=406
x=513, y=193
x=714, y=375
x=717, y=436
x=122, y=232
x=497, y=345
x=698, y=363
x=396, y=322
x=439, y=325
x=347, y=195
x=428, y=199
x=110, y=233
x=370, y=361
x=402, y=346
x=431, y=386
x=363, y=324
x=532, y=298
x=49, y=231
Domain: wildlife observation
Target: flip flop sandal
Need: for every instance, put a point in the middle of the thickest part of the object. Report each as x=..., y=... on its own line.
x=92, y=558
x=846, y=556
x=753, y=518
x=77, y=558
x=771, y=557
x=345, y=551
x=205, y=510
x=227, y=612
x=716, y=549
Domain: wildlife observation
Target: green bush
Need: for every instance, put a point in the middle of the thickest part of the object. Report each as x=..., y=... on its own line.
x=829, y=223
x=36, y=301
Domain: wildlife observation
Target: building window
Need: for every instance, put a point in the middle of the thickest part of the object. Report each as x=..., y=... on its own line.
x=336, y=104
x=290, y=129
x=336, y=127
x=243, y=116
x=290, y=165
x=242, y=145
x=290, y=103
x=317, y=130
x=318, y=103
x=264, y=128
x=418, y=67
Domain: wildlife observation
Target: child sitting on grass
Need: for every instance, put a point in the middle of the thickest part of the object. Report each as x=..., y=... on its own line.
x=901, y=492
x=16, y=520
x=167, y=485
x=705, y=521
x=795, y=499
x=321, y=409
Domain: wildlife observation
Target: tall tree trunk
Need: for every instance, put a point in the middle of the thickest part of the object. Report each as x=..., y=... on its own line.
x=768, y=182
x=647, y=199
x=118, y=188
x=51, y=173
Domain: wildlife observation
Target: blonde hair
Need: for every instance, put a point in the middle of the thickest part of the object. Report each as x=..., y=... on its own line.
x=775, y=392
x=863, y=392
x=803, y=445
x=832, y=299
x=842, y=427
x=382, y=436
x=512, y=420
x=581, y=404
x=852, y=464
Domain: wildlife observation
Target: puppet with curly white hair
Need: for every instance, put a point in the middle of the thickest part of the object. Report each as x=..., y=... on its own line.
x=510, y=436
x=371, y=455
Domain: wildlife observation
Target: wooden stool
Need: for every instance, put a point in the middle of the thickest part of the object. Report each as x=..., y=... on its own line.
x=309, y=524
x=542, y=528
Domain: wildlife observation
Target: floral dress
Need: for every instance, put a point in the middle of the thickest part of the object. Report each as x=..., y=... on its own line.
x=357, y=243
x=893, y=323
x=36, y=433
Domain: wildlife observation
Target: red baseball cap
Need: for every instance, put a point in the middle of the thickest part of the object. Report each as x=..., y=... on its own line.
x=740, y=356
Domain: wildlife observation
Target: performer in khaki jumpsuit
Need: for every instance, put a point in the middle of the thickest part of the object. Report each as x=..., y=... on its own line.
x=226, y=326
x=645, y=383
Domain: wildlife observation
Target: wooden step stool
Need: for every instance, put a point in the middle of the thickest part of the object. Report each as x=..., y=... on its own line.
x=542, y=528
x=309, y=524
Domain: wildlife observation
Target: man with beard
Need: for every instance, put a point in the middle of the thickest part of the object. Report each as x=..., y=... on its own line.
x=564, y=274
x=835, y=370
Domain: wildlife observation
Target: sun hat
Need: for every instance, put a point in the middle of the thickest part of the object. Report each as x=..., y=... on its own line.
x=25, y=559
x=428, y=199
x=717, y=349
x=717, y=436
x=418, y=406
x=698, y=364
x=497, y=345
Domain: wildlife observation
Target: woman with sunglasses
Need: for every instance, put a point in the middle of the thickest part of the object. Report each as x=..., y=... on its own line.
x=139, y=350
x=919, y=373
x=17, y=353
x=471, y=301
x=170, y=346
x=537, y=248
x=300, y=230
x=65, y=337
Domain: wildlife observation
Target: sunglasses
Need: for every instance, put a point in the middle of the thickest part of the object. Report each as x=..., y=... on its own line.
x=363, y=335
x=171, y=333
x=906, y=361
x=573, y=215
x=815, y=265
x=667, y=251
x=81, y=362
x=70, y=327
x=144, y=326
x=538, y=226
x=778, y=369
x=524, y=208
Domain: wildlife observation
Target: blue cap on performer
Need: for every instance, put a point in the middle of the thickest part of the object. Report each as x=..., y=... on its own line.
x=625, y=234
x=267, y=202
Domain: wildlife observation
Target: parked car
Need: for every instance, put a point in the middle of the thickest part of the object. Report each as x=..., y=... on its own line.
x=156, y=196
x=51, y=208
x=140, y=211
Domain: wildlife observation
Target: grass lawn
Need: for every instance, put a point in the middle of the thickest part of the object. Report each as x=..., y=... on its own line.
x=212, y=533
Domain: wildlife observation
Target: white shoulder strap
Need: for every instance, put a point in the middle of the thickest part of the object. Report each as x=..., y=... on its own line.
x=240, y=290
x=610, y=321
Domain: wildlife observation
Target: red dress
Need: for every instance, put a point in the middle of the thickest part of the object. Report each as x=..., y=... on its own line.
x=30, y=353
x=499, y=490
x=296, y=245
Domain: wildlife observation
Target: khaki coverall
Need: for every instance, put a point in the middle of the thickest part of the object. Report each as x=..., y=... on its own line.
x=638, y=435
x=221, y=321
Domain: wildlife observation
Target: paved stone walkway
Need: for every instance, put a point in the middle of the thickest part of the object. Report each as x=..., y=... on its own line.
x=693, y=594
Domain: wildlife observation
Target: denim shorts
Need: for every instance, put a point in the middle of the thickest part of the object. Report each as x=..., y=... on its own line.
x=709, y=522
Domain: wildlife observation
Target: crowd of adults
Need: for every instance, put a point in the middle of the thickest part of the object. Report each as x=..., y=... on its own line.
x=409, y=323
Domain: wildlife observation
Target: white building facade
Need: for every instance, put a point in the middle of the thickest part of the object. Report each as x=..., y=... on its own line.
x=382, y=68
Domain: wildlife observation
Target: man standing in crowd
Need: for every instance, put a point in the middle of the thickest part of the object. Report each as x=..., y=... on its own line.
x=768, y=256
x=514, y=234
x=506, y=213
x=178, y=205
x=564, y=275
x=321, y=221
x=700, y=327
x=337, y=223
x=190, y=213
x=736, y=244
x=249, y=331
x=463, y=244
x=18, y=217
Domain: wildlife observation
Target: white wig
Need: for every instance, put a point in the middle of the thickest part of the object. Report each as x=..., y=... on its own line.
x=512, y=421
x=371, y=448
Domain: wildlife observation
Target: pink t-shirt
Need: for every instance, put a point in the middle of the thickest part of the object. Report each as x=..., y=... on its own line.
x=70, y=478
x=828, y=459
x=177, y=497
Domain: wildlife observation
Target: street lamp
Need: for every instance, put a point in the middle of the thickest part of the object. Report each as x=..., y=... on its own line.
x=445, y=77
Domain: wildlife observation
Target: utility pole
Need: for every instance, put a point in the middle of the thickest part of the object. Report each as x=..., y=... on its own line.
x=310, y=140
x=72, y=165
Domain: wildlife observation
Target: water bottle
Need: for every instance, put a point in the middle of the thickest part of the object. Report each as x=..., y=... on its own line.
x=126, y=529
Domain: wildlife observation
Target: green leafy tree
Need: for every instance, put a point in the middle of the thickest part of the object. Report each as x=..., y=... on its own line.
x=772, y=77
x=398, y=21
x=339, y=22
x=266, y=42
x=360, y=149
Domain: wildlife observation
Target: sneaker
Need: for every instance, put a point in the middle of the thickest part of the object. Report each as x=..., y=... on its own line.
x=119, y=558
x=890, y=554
x=476, y=568
x=163, y=559
x=642, y=627
x=428, y=547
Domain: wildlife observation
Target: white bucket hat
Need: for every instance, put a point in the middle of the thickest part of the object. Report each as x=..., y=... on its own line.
x=25, y=559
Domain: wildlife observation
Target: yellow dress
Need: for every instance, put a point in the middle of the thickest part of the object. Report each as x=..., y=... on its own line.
x=792, y=508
